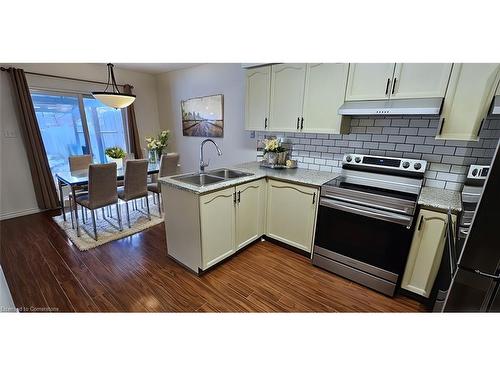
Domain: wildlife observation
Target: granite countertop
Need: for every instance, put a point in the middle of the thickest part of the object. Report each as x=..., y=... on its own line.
x=440, y=199
x=297, y=175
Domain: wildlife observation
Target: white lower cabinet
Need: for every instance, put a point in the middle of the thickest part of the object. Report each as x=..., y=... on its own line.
x=217, y=214
x=426, y=252
x=203, y=230
x=231, y=219
x=291, y=213
x=250, y=212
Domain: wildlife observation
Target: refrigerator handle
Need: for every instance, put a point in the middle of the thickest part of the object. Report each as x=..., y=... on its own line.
x=488, y=275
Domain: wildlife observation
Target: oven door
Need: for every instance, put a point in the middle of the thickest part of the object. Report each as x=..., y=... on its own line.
x=369, y=239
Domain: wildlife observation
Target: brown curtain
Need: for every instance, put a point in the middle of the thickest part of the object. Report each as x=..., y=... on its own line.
x=43, y=182
x=133, y=134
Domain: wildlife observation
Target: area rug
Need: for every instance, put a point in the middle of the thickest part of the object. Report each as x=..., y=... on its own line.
x=107, y=228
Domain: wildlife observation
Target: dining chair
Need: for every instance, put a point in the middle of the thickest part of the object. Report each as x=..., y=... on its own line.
x=168, y=167
x=77, y=163
x=135, y=184
x=101, y=193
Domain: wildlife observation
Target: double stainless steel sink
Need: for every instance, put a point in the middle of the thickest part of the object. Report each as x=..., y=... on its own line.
x=211, y=177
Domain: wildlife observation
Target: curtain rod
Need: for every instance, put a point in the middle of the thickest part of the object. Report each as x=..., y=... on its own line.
x=3, y=69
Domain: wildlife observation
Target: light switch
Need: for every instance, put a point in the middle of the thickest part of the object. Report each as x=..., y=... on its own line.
x=10, y=133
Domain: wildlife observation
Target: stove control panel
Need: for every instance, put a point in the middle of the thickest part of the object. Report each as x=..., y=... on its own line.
x=384, y=162
x=479, y=172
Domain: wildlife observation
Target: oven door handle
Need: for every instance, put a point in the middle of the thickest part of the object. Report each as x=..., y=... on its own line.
x=368, y=212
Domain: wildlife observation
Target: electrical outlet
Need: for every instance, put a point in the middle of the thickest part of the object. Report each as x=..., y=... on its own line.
x=9, y=133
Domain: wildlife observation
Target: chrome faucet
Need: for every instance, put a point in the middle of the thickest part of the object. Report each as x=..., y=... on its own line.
x=203, y=163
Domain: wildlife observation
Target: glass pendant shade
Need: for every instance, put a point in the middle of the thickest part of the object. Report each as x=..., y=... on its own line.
x=113, y=98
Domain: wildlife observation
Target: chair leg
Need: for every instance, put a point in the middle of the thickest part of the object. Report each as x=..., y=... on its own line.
x=147, y=206
x=154, y=198
x=102, y=212
x=93, y=223
x=128, y=215
x=83, y=214
x=119, y=214
x=76, y=220
x=159, y=203
x=71, y=212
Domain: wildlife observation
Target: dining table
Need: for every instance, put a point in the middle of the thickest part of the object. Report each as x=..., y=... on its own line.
x=78, y=178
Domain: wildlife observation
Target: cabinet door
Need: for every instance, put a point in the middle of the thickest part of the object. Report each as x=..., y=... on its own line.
x=426, y=252
x=469, y=95
x=258, y=88
x=291, y=213
x=217, y=214
x=324, y=94
x=369, y=81
x=420, y=80
x=287, y=95
x=250, y=212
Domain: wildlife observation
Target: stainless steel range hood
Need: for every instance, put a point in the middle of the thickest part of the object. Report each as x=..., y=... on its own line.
x=427, y=106
x=495, y=109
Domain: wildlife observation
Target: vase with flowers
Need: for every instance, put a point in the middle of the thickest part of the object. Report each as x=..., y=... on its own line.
x=274, y=152
x=115, y=155
x=156, y=146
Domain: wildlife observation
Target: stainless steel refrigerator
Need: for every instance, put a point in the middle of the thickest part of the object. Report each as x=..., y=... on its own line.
x=476, y=284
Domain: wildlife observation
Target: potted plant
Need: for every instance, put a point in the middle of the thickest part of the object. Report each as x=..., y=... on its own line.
x=274, y=152
x=115, y=155
x=158, y=145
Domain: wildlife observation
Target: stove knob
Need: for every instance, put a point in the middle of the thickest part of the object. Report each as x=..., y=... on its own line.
x=474, y=172
x=406, y=164
x=417, y=166
x=357, y=159
x=348, y=158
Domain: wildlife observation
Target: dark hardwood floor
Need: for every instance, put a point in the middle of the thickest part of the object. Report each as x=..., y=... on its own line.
x=45, y=270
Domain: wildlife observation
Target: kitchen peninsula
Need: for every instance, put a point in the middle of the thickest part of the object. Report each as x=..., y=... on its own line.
x=207, y=223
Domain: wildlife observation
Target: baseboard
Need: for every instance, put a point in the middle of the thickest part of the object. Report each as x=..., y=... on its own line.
x=13, y=214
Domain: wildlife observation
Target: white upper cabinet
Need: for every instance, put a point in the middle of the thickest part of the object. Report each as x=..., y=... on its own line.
x=287, y=96
x=369, y=81
x=258, y=89
x=469, y=95
x=420, y=80
x=324, y=94
x=397, y=81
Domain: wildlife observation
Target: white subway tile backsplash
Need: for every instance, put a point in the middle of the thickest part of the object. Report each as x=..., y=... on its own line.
x=408, y=131
x=453, y=186
x=435, y=183
x=396, y=137
x=439, y=167
x=404, y=147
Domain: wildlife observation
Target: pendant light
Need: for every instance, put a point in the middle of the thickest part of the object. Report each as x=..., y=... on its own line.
x=113, y=98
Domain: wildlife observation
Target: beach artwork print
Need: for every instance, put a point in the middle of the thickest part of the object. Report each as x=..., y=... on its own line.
x=203, y=116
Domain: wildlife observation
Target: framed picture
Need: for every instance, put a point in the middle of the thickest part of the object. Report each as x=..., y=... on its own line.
x=203, y=116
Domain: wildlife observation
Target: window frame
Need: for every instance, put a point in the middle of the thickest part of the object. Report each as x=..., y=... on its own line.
x=83, y=116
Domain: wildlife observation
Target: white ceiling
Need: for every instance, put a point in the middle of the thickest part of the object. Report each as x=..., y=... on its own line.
x=154, y=68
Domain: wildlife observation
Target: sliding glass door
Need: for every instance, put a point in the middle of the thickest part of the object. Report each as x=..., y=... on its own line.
x=77, y=124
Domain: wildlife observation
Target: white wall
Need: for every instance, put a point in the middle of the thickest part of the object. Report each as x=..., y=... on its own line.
x=16, y=189
x=207, y=79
